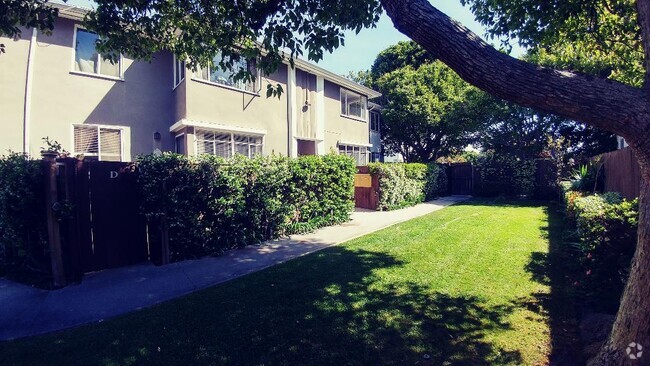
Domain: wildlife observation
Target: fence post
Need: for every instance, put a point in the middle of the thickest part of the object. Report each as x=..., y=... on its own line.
x=53, y=232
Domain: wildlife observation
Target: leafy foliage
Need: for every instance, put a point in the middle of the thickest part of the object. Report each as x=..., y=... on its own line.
x=211, y=204
x=425, y=115
x=605, y=227
x=600, y=37
x=15, y=14
x=403, y=184
x=398, y=56
x=23, y=231
x=250, y=29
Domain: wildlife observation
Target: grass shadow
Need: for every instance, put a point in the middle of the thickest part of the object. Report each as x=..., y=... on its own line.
x=550, y=268
x=326, y=308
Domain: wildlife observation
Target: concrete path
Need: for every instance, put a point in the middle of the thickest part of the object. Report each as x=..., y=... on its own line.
x=25, y=311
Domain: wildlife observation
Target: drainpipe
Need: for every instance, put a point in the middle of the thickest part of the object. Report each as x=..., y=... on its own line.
x=28, y=92
x=291, y=111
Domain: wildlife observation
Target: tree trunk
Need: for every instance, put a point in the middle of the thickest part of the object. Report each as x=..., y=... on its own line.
x=605, y=104
x=633, y=319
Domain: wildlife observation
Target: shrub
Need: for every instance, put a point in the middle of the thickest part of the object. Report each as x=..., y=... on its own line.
x=407, y=184
x=212, y=204
x=503, y=175
x=606, y=229
x=23, y=230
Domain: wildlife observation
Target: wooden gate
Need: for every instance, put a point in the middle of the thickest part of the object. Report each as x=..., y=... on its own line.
x=366, y=189
x=110, y=230
x=461, y=179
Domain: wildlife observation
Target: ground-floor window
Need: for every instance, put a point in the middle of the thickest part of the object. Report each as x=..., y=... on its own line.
x=179, y=144
x=226, y=144
x=375, y=157
x=358, y=153
x=98, y=142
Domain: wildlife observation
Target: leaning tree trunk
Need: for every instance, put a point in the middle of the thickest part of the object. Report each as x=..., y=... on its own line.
x=605, y=104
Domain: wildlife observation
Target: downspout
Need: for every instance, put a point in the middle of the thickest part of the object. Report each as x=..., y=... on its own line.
x=291, y=111
x=28, y=92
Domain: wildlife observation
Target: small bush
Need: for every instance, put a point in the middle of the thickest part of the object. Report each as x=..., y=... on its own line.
x=211, y=204
x=24, y=252
x=407, y=184
x=606, y=230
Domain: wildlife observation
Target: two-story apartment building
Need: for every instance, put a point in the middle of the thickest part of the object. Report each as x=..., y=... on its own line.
x=59, y=86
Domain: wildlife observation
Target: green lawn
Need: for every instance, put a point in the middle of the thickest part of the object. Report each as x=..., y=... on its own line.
x=467, y=285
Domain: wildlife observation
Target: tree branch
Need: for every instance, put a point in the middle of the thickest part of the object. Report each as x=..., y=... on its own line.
x=606, y=104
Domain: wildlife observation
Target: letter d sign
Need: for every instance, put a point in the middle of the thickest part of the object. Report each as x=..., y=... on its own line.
x=114, y=174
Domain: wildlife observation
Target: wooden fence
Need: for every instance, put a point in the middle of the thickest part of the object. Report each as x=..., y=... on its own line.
x=622, y=172
x=93, y=217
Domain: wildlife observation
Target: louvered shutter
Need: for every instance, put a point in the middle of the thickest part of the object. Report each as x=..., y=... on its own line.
x=110, y=141
x=86, y=140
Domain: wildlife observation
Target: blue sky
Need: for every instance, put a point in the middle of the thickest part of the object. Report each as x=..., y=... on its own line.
x=361, y=49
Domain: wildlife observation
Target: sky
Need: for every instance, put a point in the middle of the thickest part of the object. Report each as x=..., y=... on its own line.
x=361, y=49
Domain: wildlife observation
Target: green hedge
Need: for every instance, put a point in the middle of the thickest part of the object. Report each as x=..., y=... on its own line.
x=604, y=232
x=24, y=252
x=212, y=204
x=407, y=184
x=503, y=175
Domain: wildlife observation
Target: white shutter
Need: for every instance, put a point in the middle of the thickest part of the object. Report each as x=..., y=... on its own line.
x=86, y=141
x=110, y=141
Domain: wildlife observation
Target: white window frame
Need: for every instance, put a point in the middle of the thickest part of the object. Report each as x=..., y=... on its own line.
x=349, y=147
x=257, y=86
x=176, y=66
x=98, y=74
x=123, y=132
x=364, y=117
x=231, y=142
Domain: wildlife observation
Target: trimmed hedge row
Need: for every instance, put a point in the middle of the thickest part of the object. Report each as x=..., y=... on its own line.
x=604, y=233
x=211, y=205
x=407, y=184
x=502, y=175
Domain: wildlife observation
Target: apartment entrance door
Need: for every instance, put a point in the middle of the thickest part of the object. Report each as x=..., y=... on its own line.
x=306, y=147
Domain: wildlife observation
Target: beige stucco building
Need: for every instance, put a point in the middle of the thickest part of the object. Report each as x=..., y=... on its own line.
x=58, y=87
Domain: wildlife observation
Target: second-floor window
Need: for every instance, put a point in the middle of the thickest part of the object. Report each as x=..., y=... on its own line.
x=227, y=144
x=179, y=71
x=220, y=75
x=375, y=117
x=88, y=60
x=353, y=104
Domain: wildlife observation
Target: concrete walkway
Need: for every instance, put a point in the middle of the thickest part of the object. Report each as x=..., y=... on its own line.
x=25, y=311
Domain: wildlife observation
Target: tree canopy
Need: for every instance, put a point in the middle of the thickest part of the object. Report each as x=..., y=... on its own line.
x=425, y=112
x=598, y=37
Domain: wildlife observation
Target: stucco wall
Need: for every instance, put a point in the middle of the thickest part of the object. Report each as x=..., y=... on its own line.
x=13, y=66
x=340, y=128
x=212, y=103
x=143, y=101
